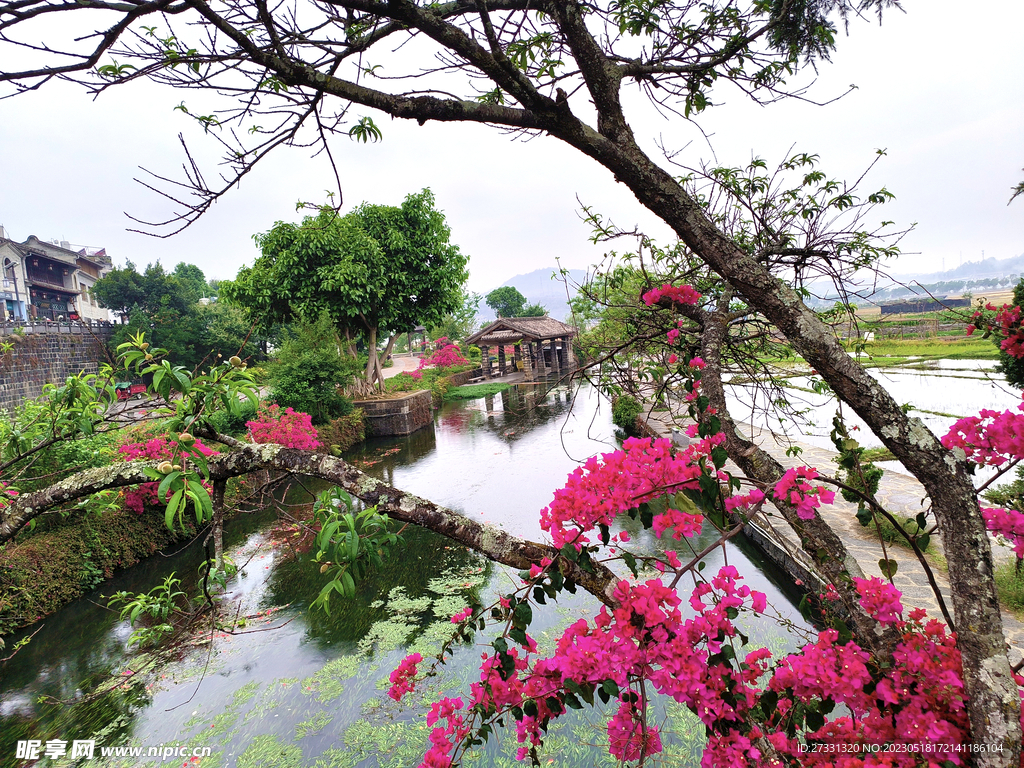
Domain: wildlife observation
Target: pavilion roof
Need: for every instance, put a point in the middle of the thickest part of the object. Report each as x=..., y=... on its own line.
x=508, y=330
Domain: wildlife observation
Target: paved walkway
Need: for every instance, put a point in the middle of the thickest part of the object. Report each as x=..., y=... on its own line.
x=402, y=364
x=900, y=494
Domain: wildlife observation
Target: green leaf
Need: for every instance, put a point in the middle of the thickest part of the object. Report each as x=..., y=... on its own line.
x=172, y=508
x=348, y=583
x=630, y=562
x=522, y=615
x=161, y=491
x=888, y=567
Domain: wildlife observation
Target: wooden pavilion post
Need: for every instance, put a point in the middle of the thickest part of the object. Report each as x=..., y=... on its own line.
x=485, y=361
x=570, y=356
x=501, y=359
x=553, y=344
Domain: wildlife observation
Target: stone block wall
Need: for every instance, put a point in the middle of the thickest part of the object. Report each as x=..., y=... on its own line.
x=458, y=379
x=396, y=415
x=48, y=358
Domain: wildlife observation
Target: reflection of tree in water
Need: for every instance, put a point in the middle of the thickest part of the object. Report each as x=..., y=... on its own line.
x=420, y=557
x=378, y=456
x=88, y=655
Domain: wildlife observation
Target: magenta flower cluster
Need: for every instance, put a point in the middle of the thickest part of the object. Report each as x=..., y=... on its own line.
x=680, y=294
x=402, y=677
x=880, y=599
x=447, y=356
x=1007, y=322
x=795, y=489
x=991, y=437
x=612, y=484
x=1008, y=523
x=155, y=449
x=290, y=428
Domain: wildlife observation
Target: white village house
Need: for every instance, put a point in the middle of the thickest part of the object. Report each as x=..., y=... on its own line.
x=50, y=280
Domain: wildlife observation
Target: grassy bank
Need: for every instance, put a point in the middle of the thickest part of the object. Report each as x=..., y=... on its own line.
x=43, y=572
x=888, y=351
x=474, y=391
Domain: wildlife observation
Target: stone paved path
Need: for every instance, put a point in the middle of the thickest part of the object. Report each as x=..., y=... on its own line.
x=402, y=364
x=898, y=493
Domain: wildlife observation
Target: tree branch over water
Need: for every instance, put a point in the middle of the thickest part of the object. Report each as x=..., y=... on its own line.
x=244, y=458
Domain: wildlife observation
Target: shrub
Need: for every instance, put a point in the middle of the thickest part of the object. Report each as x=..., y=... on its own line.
x=439, y=388
x=343, y=432
x=626, y=409
x=448, y=356
x=227, y=423
x=308, y=371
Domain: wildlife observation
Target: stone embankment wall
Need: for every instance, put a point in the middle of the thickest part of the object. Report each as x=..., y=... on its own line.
x=49, y=357
x=399, y=415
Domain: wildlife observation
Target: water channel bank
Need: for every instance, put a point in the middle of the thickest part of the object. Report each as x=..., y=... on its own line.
x=310, y=690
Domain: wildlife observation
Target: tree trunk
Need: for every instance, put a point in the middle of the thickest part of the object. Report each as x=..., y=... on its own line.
x=219, y=487
x=245, y=458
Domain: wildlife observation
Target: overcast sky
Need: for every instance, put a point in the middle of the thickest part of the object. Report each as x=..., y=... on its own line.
x=941, y=88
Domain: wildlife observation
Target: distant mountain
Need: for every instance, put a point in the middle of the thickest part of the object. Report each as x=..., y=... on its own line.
x=539, y=287
x=972, y=277
x=972, y=270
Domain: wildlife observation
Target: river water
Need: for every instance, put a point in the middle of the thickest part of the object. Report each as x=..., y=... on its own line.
x=296, y=687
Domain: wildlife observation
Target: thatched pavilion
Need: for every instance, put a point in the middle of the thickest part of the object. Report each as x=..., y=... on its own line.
x=540, y=344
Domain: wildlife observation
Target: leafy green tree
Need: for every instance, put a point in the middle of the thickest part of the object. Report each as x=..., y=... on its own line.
x=377, y=272
x=192, y=275
x=533, y=310
x=165, y=307
x=506, y=301
x=121, y=290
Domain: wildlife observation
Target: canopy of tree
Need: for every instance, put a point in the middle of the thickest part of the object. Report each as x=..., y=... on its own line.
x=507, y=301
x=377, y=271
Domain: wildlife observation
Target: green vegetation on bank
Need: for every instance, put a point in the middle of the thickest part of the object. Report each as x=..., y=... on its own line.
x=474, y=391
x=883, y=351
